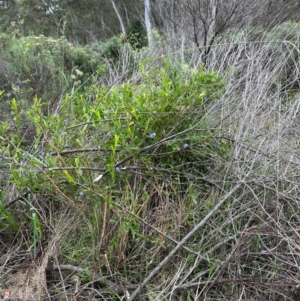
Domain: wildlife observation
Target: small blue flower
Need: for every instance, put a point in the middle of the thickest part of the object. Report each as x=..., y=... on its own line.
x=81, y=193
x=208, y=167
x=185, y=145
x=48, y=155
x=25, y=154
x=152, y=135
x=117, y=169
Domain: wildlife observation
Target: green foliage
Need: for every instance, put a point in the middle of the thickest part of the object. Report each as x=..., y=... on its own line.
x=136, y=35
x=6, y=218
x=136, y=164
x=35, y=66
x=156, y=128
x=45, y=67
x=135, y=152
x=83, y=58
x=111, y=48
x=81, y=22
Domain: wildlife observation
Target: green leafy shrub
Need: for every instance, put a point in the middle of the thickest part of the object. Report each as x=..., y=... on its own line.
x=119, y=151
x=118, y=59
x=111, y=48
x=113, y=183
x=83, y=58
x=45, y=67
x=35, y=66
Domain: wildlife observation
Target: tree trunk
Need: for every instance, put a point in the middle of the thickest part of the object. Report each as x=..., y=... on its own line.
x=119, y=16
x=148, y=22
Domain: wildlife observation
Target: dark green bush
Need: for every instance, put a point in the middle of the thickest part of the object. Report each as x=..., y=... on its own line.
x=136, y=35
x=111, y=49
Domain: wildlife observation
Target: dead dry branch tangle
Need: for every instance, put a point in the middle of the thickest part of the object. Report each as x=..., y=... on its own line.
x=183, y=241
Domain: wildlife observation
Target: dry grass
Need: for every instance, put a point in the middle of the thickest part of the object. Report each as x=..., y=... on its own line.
x=253, y=240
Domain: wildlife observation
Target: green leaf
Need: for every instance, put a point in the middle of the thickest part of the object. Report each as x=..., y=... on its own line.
x=69, y=177
x=4, y=214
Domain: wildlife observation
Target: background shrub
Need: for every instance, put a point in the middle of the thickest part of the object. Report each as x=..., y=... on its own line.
x=136, y=35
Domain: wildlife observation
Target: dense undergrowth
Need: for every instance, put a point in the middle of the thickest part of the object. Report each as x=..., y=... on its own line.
x=146, y=175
